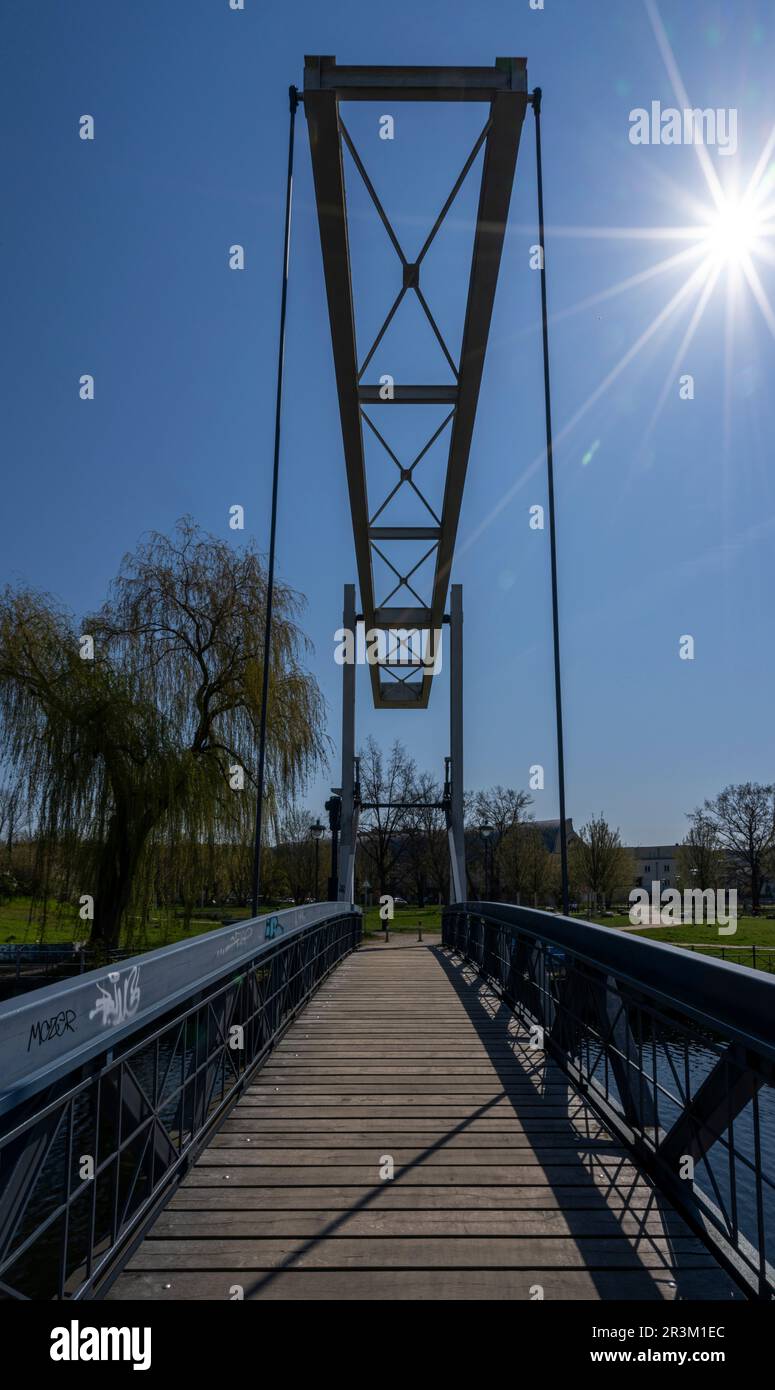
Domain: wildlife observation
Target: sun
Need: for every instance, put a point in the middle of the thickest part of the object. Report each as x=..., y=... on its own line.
x=732, y=232
x=725, y=238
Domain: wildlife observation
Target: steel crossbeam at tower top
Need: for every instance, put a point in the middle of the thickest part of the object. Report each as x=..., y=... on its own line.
x=504, y=89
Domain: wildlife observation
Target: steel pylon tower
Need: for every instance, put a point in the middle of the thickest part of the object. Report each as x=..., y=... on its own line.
x=503, y=88
x=503, y=91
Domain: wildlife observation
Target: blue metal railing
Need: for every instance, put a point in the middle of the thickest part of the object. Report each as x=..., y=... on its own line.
x=113, y=1082
x=675, y=1052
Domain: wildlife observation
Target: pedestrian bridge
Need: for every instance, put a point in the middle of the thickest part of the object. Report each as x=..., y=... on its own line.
x=530, y=1107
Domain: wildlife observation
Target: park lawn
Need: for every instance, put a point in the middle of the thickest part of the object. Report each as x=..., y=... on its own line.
x=405, y=919
x=63, y=924
x=705, y=938
x=751, y=931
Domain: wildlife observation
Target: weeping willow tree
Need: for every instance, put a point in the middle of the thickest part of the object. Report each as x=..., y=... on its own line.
x=148, y=736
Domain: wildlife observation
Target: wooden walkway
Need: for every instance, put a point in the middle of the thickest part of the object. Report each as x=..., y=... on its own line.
x=505, y=1185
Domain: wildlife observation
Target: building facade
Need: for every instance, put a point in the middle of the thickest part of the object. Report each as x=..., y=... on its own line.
x=654, y=863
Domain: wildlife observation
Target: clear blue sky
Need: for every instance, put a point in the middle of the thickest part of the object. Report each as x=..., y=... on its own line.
x=114, y=262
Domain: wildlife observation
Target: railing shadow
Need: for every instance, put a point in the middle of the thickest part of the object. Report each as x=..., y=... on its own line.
x=615, y=1180
x=595, y=1185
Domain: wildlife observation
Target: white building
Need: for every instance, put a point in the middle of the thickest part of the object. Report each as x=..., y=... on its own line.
x=654, y=863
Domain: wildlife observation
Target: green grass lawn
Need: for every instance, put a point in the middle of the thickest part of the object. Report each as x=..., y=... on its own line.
x=751, y=931
x=705, y=938
x=406, y=919
x=64, y=925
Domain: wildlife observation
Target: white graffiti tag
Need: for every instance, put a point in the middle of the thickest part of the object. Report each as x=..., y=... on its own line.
x=121, y=1000
x=237, y=939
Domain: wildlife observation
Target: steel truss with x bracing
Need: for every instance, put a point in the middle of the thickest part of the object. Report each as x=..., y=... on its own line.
x=409, y=635
x=504, y=89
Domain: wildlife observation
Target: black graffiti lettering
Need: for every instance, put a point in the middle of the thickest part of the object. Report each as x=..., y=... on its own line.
x=55, y=1027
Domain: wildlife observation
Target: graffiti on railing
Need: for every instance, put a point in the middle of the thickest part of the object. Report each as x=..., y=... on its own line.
x=55, y=1027
x=238, y=939
x=120, y=1001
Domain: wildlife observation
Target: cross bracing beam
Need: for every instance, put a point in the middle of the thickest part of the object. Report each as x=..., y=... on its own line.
x=504, y=89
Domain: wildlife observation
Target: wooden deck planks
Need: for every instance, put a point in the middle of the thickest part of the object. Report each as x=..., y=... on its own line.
x=503, y=1179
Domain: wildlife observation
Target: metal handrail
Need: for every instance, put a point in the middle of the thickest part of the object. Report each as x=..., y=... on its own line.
x=674, y=1051
x=712, y=991
x=144, y=1104
x=102, y=1007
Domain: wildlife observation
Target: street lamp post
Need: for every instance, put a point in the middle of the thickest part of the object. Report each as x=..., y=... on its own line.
x=316, y=830
x=694, y=873
x=486, y=832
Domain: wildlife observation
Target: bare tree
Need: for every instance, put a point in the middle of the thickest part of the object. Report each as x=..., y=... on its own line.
x=428, y=847
x=600, y=862
x=387, y=783
x=501, y=808
x=743, y=817
x=295, y=853
x=524, y=863
x=701, y=860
